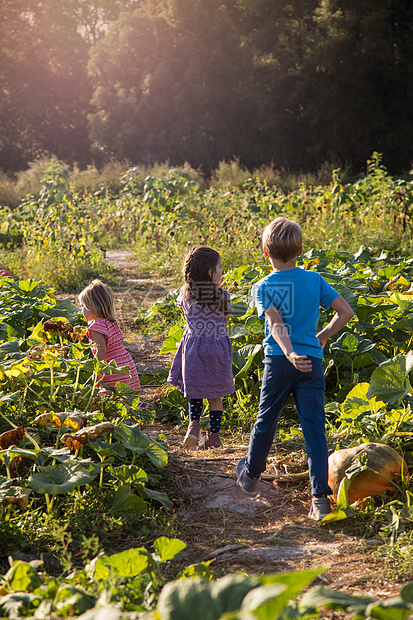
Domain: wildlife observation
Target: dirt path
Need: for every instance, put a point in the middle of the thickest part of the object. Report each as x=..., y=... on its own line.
x=267, y=533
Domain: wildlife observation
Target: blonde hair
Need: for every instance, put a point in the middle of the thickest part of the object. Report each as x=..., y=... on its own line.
x=282, y=239
x=98, y=298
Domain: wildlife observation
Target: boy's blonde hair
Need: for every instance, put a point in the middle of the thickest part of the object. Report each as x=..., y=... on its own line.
x=98, y=298
x=282, y=239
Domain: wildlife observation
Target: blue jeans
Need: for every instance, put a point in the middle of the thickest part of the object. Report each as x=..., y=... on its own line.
x=281, y=379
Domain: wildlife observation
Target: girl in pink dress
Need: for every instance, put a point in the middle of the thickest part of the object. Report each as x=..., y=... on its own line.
x=97, y=305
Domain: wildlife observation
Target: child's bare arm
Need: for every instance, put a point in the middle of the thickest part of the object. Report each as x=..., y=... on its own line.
x=227, y=318
x=281, y=337
x=342, y=316
x=101, y=343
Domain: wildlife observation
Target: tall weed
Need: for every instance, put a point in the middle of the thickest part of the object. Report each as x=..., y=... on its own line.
x=8, y=191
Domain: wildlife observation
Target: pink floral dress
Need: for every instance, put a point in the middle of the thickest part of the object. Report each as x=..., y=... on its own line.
x=115, y=350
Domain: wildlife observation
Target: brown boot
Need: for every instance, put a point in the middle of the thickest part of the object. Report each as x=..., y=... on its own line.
x=212, y=440
x=192, y=434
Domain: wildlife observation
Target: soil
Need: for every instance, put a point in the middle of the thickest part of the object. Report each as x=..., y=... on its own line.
x=268, y=533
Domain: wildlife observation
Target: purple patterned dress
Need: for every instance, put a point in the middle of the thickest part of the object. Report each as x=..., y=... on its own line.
x=202, y=366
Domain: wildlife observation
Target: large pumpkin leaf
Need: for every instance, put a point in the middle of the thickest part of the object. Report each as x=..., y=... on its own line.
x=71, y=600
x=133, y=439
x=129, y=473
x=179, y=599
x=124, y=500
x=168, y=548
x=105, y=449
x=7, y=455
x=49, y=452
x=394, y=608
x=390, y=381
x=129, y=563
x=62, y=478
x=244, y=357
x=22, y=576
x=265, y=602
x=16, y=604
x=334, y=599
x=294, y=583
x=357, y=402
x=229, y=591
x=349, y=346
x=347, y=294
x=171, y=343
x=159, y=496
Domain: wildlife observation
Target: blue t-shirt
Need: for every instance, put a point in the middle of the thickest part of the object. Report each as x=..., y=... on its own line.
x=297, y=294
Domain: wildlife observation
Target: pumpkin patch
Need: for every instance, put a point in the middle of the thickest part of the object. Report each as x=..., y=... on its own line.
x=384, y=464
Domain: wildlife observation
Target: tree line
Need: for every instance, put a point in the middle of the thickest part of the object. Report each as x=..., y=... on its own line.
x=295, y=83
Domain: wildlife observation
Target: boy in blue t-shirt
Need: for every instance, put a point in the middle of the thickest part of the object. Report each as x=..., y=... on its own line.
x=290, y=299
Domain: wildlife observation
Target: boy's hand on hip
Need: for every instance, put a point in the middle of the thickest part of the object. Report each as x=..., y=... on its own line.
x=300, y=362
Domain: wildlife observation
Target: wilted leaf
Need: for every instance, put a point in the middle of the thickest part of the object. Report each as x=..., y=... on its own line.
x=36, y=353
x=57, y=326
x=21, y=500
x=75, y=420
x=78, y=333
x=56, y=350
x=12, y=438
x=86, y=435
x=44, y=419
x=72, y=442
x=10, y=494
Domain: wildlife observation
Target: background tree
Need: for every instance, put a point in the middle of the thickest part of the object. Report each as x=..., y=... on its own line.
x=173, y=85
x=44, y=87
x=293, y=82
x=353, y=91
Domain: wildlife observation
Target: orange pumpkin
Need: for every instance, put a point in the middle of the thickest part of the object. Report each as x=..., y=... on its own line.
x=380, y=457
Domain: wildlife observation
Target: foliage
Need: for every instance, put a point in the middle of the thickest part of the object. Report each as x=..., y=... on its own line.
x=165, y=215
x=61, y=235
x=58, y=451
x=120, y=585
x=372, y=349
x=367, y=365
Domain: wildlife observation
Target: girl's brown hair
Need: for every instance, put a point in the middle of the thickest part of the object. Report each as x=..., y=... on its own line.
x=198, y=267
x=98, y=298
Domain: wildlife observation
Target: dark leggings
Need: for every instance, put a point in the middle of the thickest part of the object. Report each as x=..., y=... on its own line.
x=195, y=411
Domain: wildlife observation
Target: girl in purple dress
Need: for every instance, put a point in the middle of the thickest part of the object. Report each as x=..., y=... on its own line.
x=202, y=366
